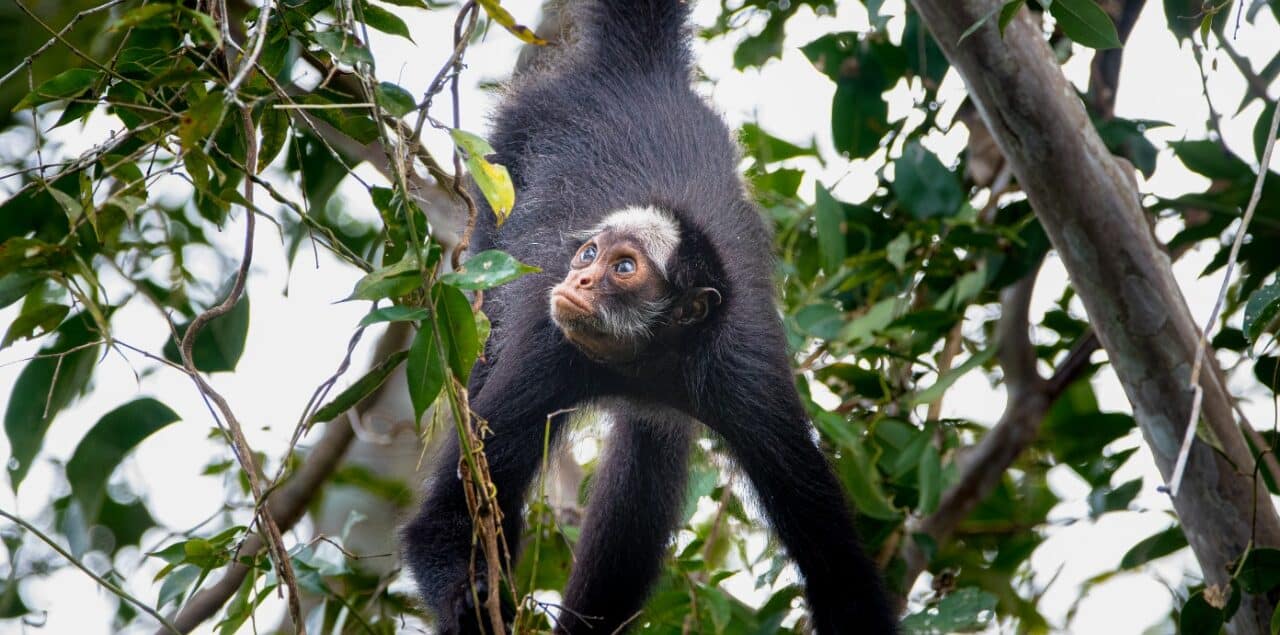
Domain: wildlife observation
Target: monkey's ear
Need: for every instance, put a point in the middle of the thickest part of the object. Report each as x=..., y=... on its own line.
x=698, y=303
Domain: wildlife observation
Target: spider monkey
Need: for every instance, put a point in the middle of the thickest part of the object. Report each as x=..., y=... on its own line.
x=655, y=302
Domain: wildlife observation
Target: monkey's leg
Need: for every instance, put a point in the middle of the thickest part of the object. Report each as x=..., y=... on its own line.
x=765, y=427
x=636, y=497
x=530, y=382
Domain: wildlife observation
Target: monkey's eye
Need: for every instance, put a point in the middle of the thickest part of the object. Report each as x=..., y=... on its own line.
x=588, y=254
x=626, y=265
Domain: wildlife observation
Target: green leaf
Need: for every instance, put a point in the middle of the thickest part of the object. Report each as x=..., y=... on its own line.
x=822, y=321
x=863, y=329
x=829, y=218
x=424, y=370
x=363, y=387
x=486, y=270
x=146, y=16
x=395, y=314
x=344, y=47
x=275, y=132
x=967, y=609
x=924, y=186
x=395, y=99
x=14, y=286
x=1008, y=12
x=396, y=280
x=863, y=69
x=1198, y=616
x=1262, y=311
x=977, y=24
x=929, y=479
x=44, y=387
x=176, y=584
x=42, y=317
x=384, y=21
x=493, y=180
x=220, y=344
x=857, y=468
x=457, y=329
x=940, y=387
x=1109, y=499
x=105, y=446
x=206, y=25
x=770, y=149
x=1085, y=22
x=65, y=85
x=28, y=255
x=1262, y=130
x=201, y=119
x=1260, y=572
x=1152, y=547
x=1210, y=159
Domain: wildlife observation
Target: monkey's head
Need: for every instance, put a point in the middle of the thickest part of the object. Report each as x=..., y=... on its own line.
x=633, y=286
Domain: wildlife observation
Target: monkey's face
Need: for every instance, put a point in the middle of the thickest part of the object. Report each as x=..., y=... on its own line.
x=613, y=300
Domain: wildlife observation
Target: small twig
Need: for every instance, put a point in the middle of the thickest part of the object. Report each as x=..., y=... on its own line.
x=28, y=60
x=103, y=582
x=259, y=38
x=1180, y=465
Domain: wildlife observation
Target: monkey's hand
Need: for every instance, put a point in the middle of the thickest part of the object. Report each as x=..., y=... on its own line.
x=461, y=616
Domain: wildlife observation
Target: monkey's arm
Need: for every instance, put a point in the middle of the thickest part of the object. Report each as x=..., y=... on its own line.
x=514, y=395
x=636, y=497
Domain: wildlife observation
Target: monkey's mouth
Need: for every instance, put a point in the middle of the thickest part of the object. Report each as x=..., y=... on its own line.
x=570, y=304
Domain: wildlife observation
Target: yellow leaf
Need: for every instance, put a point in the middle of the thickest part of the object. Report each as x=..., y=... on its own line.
x=504, y=17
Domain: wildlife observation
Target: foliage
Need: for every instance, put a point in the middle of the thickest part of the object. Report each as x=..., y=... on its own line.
x=885, y=298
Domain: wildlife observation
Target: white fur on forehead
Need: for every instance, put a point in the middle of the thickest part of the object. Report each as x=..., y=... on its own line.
x=654, y=229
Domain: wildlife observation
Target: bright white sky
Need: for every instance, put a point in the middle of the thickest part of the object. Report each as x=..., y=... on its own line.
x=295, y=342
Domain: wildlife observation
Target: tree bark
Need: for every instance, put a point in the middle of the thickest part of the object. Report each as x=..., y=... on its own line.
x=1089, y=207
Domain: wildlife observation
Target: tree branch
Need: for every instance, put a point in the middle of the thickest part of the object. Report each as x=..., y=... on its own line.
x=1029, y=398
x=290, y=500
x=1091, y=212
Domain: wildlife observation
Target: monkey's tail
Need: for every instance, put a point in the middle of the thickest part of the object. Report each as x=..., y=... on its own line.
x=638, y=35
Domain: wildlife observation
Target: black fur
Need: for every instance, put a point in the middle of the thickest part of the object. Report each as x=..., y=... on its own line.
x=616, y=124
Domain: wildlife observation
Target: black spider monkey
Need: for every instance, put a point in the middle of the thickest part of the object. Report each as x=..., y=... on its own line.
x=656, y=302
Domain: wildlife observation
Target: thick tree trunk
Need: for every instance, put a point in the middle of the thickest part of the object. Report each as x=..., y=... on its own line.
x=1089, y=206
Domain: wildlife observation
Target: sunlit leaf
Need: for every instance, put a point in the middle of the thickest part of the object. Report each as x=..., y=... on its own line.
x=493, y=180
x=508, y=22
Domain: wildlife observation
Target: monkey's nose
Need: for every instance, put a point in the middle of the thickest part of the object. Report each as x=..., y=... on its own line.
x=585, y=281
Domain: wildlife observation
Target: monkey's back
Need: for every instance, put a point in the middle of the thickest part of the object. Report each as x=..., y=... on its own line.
x=581, y=142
